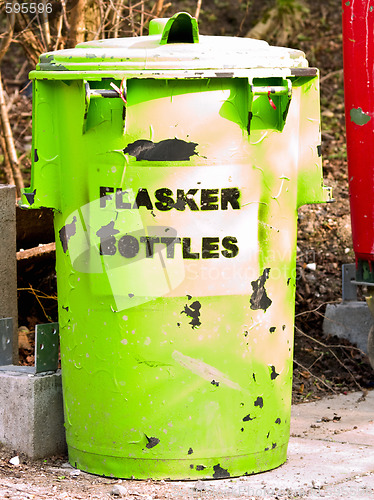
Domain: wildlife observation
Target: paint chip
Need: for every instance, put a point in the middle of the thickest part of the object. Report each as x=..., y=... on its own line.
x=359, y=117
x=152, y=442
x=166, y=150
x=193, y=311
x=259, y=402
x=66, y=232
x=273, y=374
x=259, y=298
x=219, y=472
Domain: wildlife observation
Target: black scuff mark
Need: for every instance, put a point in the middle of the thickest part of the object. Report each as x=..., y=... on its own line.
x=272, y=329
x=250, y=116
x=30, y=197
x=267, y=435
x=189, y=297
x=273, y=374
x=248, y=418
x=200, y=467
x=214, y=382
x=242, y=429
x=219, y=472
x=254, y=377
x=267, y=449
x=288, y=281
x=152, y=442
x=283, y=327
x=190, y=451
x=36, y=157
x=191, y=466
x=278, y=421
x=259, y=402
x=66, y=308
x=319, y=150
x=166, y=150
x=66, y=232
x=178, y=325
x=193, y=311
x=131, y=295
x=259, y=298
x=274, y=445
x=245, y=333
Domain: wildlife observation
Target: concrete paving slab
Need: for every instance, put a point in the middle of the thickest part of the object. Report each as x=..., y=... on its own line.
x=343, y=418
x=360, y=487
x=333, y=460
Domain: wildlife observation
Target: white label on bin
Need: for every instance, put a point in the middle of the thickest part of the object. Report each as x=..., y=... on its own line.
x=170, y=231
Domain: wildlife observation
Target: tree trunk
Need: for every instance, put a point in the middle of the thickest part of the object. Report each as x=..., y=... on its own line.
x=77, y=23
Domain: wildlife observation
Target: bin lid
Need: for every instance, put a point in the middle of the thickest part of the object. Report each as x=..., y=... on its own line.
x=173, y=44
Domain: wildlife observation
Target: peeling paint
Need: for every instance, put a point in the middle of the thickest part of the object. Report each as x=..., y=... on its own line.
x=66, y=232
x=204, y=370
x=193, y=311
x=273, y=374
x=152, y=442
x=248, y=418
x=166, y=150
x=259, y=402
x=359, y=117
x=259, y=298
x=219, y=472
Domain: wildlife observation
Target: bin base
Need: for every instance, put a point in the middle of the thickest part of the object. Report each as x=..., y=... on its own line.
x=178, y=469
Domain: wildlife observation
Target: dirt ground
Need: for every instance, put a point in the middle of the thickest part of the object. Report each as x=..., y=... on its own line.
x=322, y=366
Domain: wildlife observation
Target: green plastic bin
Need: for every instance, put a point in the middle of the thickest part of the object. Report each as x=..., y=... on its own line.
x=175, y=164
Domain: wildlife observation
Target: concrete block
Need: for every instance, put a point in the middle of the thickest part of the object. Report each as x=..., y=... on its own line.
x=31, y=412
x=349, y=320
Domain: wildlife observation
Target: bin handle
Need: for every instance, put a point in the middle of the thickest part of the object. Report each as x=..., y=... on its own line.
x=274, y=90
x=181, y=28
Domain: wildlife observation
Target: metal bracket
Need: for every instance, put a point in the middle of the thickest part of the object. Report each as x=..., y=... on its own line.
x=6, y=341
x=349, y=282
x=349, y=288
x=46, y=347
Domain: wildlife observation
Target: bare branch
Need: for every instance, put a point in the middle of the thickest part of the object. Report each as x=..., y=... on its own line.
x=46, y=32
x=198, y=7
x=9, y=141
x=315, y=376
x=7, y=40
